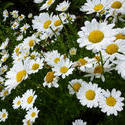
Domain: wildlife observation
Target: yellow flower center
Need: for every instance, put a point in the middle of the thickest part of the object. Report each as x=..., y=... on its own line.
x=18, y=102
x=97, y=58
x=64, y=8
x=49, y=77
x=98, y=7
x=90, y=95
x=29, y=99
x=83, y=61
x=116, y=5
x=35, y=66
x=4, y=59
x=56, y=60
x=33, y=114
x=110, y=101
x=14, y=25
x=120, y=36
x=98, y=69
x=20, y=75
x=47, y=24
x=32, y=56
x=28, y=122
x=49, y=2
x=5, y=93
x=3, y=70
x=57, y=23
x=76, y=86
x=31, y=43
x=96, y=36
x=17, y=50
x=3, y=115
x=112, y=48
x=64, y=69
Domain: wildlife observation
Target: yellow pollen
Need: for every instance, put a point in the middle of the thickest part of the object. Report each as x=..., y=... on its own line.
x=98, y=69
x=20, y=75
x=98, y=7
x=3, y=70
x=5, y=93
x=14, y=13
x=112, y=48
x=120, y=36
x=56, y=60
x=110, y=101
x=116, y=5
x=47, y=24
x=97, y=58
x=29, y=99
x=96, y=36
x=57, y=23
x=33, y=114
x=14, y=25
x=18, y=102
x=90, y=95
x=49, y=77
x=64, y=69
x=63, y=9
x=49, y=2
x=17, y=50
x=32, y=56
x=4, y=59
x=83, y=61
x=31, y=43
x=3, y=115
x=76, y=86
x=35, y=66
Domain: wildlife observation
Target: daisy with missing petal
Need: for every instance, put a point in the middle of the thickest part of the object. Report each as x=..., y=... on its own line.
x=4, y=44
x=79, y=122
x=47, y=4
x=5, y=14
x=63, y=6
x=32, y=114
x=17, y=102
x=51, y=80
x=114, y=50
x=33, y=66
x=94, y=35
x=63, y=68
x=28, y=99
x=53, y=57
x=95, y=6
x=111, y=102
x=75, y=85
x=89, y=95
x=3, y=115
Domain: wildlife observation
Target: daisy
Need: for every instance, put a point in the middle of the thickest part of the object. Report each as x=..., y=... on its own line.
x=4, y=58
x=4, y=44
x=38, y=1
x=111, y=102
x=19, y=38
x=33, y=66
x=3, y=69
x=75, y=85
x=89, y=95
x=1, y=80
x=94, y=35
x=95, y=6
x=73, y=51
x=34, y=55
x=17, y=102
x=5, y=14
x=30, y=15
x=3, y=115
x=47, y=4
x=27, y=122
x=28, y=99
x=51, y=80
x=53, y=57
x=63, y=6
x=32, y=114
x=14, y=13
x=79, y=122
x=15, y=25
x=5, y=92
x=120, y=34
x=21, y=17
x=114, y=50
x=24, y=28
x=63, y=68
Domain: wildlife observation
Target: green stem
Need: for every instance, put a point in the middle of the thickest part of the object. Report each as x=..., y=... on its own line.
x=101, y=60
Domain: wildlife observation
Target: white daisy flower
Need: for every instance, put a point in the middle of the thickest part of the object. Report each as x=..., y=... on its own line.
x=94, y=35
x=63, y=68
x=17, y=102
x=4, y=44
x=15, y=25
x=3, y=69
x=32, y=114
x=38, y=1
x=63, y=6
x=4, y=58
x=73, y=51
x=27, y=122
x=89, y=95
x=3, y=115
x=111, y=102
x=24, y=28
x=47, y=4
x=19, y=38
x=5, y=14
x=34, y=55
x=30, y=15
x=53, y=57
x=75, y=85
x=1, y=80
x=33, y=66
x=14, y=13
x=95, y=6
x=51, y=80
x=28, y=99
x=79, y=122
x=21, y=17
x=5, y=92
